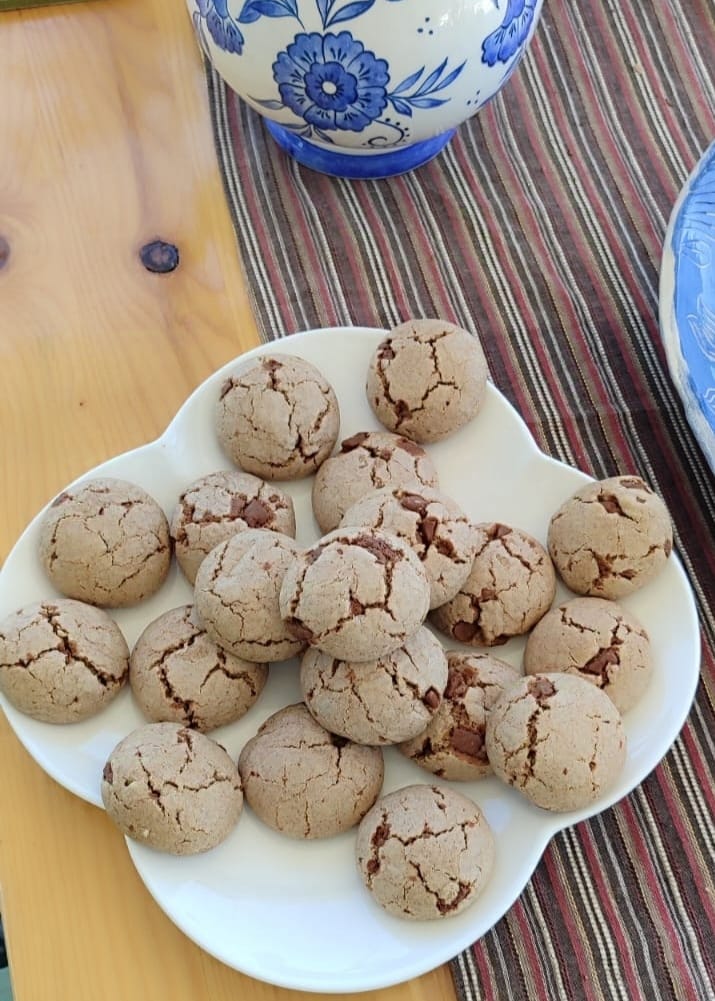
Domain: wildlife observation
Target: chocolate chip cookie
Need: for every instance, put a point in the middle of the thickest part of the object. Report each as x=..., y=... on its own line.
x=220, y=505
x=381, y=701
x=278, y=417
x=368, y=461
x=557, y=739
x=105, y=542
x=358, y=594
x=434, y=526
x=453, y=743
x=61, y=660
x=236, y=596
x=598, y=640
x=172, y=788
x=611, y=537
x=425, y=852
x=427, y=379
x=305, y=782
x=178, y=674
x=510, y=586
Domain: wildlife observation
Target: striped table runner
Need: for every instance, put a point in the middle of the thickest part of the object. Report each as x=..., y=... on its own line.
x=541, y=228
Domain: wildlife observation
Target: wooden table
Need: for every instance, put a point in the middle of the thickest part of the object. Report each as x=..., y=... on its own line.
x=105, y=145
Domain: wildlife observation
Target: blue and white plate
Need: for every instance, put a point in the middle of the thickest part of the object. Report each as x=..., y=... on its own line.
x=687, y=300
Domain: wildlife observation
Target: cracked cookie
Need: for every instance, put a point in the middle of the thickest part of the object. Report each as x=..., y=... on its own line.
x=425, y=852
x=178, y=674
x=510, y=586
x=557, y=739
x=305, y=782
x=220, y=505
x=358, y=594
x=427, y=379
x=432, y=524
x=452, y=746
x=597, y=640
x=382, y=701
x=105, y=542
x=611, y=537
x=368, y=460
x=61, y=660
x=236, y=596
x=172, y=788
x=277, y=417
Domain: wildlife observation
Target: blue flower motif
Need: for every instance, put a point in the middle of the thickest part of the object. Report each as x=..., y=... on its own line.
x=332, y=81
x=222, y=27
x=501, y=45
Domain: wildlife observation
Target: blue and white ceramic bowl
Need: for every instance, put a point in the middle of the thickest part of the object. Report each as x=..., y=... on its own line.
x=687, y=300
x=365, y=88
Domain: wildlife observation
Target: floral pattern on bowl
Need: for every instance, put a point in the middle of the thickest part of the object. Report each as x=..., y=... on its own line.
x=365, y=76
x=687, y=300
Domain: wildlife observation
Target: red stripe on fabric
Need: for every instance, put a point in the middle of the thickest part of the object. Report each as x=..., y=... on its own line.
x=685, y=843
x=434, y=277
x=624, y=84
x=701, y=767
x=367, y=312
x=503, y=250
x=479, y=952
x=567, y=308
x=651, y=885
x=562, y=901
x=607, y=902
x=652, y=73
x=317, y=272
x=534, y=960
x=682, y=56
x=363, y=195
x=601, y=123
x=253, y=206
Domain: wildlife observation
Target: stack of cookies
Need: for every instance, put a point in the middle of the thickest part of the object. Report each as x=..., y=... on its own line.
x=395, y=557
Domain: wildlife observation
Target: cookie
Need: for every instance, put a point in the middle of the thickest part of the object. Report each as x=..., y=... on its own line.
x=358, y=594
x=382, y=701
x=220, y=505
x=368, y=461
x=427, y=379
x=278, y=417
x=433, y=524
x=305, y=782
x=172, y=788
x=611, y=537
x=425, y=852
x=510, y=586
x=236, y=596
x=557, y=739
x=105, y=542
x=178, y=674
x=597, y=640
x=61, y=660
x=452, y=745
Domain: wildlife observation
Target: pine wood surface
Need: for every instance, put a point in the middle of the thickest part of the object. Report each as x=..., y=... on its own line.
x=105, y=145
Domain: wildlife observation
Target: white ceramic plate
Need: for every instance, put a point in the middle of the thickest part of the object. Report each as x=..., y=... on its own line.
x=294, y=913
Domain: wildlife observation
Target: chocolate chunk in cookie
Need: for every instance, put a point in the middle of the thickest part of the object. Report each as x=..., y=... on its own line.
x=220, y=505
x=611, y=537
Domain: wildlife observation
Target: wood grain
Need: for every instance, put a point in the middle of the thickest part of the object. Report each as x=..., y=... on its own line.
x=106, y=145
